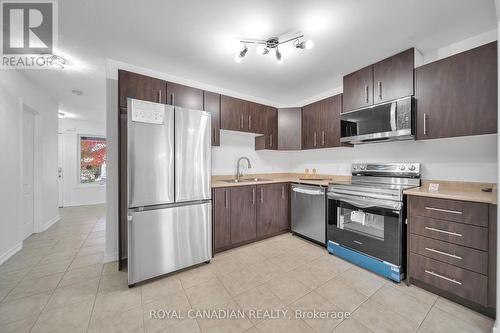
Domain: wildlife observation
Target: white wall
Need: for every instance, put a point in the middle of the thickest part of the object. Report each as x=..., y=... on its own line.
x=74, y=193
x=472, y=158
x=15, y=90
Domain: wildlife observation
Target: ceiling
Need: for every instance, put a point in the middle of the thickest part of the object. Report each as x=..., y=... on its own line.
x=197, y=40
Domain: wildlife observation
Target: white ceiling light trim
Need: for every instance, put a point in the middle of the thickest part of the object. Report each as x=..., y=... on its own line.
x=264, y=47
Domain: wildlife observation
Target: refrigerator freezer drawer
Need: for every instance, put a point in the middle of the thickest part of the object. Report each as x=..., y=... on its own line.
x=165, y=240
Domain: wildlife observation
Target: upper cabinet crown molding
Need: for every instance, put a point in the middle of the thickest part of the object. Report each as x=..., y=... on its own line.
x=386, y=80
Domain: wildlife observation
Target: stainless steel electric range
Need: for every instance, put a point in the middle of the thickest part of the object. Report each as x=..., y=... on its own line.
x=366, y=216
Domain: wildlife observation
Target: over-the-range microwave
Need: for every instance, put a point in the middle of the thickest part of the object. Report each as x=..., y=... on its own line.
x=384, y=122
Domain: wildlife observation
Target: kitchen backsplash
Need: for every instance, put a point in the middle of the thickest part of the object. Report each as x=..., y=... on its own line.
x=472, y=158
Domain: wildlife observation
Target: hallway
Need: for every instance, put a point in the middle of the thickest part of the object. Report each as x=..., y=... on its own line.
x=58, y=267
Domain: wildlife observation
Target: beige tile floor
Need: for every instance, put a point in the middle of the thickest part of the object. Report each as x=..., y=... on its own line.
x=58, y=283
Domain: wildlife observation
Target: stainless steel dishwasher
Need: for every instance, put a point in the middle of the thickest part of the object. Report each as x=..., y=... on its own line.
x=309, y=212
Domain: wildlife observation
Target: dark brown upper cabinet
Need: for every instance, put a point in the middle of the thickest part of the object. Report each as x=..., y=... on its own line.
x=256, y=118
x=393, y=77
x=321, y=123
x=358, y=89
x=330, y=121
x=211, y=102
x=457, y=96
x=184, y=96
x=271, y=128
x=289, y=129
x=386, y=80
x=269, y=139
x=310, y=126
x=222, y=219
x=233, y=113
x=132, y=85
x=243, y=209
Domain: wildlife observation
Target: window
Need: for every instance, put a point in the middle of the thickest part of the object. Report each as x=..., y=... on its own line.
x=92, y=160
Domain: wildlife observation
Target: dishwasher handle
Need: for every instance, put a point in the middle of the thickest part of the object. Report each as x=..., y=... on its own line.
x=306, y=191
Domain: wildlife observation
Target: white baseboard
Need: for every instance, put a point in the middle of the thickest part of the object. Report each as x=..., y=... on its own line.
x=110, y=257
x=50, y=222
x=4, y=257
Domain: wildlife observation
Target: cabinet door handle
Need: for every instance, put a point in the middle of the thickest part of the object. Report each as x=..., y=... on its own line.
x=282, y=192
x=425, y=123
x=261, y=195
x=172, y=99
x=270, y=141
x=380, y=90
x=241, y=120
x=226, y=203
x=443, y=277
x=159, y=96
x=443, y=253
x=215, y=136
x=367, y=96
x=315, y=139
x=444, y=210
x=444, y=231
x=249, y=122
x=323, y=138
x=253, y=196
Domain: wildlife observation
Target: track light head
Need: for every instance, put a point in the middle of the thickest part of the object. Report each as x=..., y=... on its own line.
x=304, y=45
x=262, y=50
x=279, y=59
x=239, y=57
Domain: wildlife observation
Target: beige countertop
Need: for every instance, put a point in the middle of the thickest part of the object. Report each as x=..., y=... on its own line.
x=270, y=178
x=465, y=191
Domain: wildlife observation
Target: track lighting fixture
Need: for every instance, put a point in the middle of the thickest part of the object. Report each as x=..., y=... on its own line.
x=263, y=47
x=242, y=54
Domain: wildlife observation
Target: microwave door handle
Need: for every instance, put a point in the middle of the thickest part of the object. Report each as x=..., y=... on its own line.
x=393, y=116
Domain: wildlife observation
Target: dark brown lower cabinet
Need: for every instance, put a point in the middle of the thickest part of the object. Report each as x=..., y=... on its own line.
x=243, y=224
x=452, y=250
x=222, y=219
x=272, y=209
x=243, y=214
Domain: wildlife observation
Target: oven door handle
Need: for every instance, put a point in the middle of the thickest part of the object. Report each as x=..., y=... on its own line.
x=366, y=203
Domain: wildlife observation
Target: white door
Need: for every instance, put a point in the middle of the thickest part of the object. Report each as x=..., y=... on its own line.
x=60, y=155
x=28, y=173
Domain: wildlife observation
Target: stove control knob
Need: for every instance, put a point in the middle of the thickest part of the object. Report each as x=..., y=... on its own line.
x=412, y=167
x=363, y=167
x=355, y=167
x=402, y=167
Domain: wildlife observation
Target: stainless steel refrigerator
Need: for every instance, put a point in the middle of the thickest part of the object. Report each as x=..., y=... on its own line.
x=169, y=189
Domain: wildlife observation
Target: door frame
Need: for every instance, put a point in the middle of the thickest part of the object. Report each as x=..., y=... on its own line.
x=37, y=159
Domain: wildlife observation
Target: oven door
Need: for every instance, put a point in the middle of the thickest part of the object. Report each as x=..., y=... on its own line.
x=370, y=226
